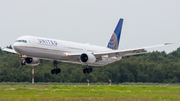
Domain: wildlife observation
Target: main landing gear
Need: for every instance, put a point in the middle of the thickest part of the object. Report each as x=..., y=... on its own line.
x=55, y=70
x=23, y=63
x=87, y=70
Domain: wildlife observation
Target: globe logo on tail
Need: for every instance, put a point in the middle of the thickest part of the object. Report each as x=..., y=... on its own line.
x=113, y=43
x=115, y=38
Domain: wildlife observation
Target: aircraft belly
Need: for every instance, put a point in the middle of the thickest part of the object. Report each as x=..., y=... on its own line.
x=105, y=61
x=44, y=53
x=102, y=62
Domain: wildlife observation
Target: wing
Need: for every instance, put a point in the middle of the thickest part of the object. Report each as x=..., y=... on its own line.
x=128, y=52
x=9, y=50
x=116, y=53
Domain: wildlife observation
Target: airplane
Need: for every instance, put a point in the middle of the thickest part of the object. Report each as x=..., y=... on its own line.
x=34, y=49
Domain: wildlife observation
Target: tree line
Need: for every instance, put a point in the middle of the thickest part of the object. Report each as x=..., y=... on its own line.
x=155, y=67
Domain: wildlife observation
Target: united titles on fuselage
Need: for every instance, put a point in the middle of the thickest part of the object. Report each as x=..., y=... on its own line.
x=47, y=41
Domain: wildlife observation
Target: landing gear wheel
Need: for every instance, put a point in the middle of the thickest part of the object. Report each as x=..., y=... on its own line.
x=55, y=70
x=90, y=69
x=59, y=70
x=52, y=71
x=84, y=71
x=87, y=70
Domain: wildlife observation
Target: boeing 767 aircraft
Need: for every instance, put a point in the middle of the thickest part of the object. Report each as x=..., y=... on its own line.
x=34, y=49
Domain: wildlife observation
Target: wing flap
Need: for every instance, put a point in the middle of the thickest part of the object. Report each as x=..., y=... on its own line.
x=130, y=54
x=118, y=53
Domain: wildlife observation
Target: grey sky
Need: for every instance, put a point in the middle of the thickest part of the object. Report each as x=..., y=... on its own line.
x=146, y=22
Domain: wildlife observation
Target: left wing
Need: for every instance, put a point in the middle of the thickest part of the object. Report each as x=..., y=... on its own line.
x=116, y=53
x=128, y=52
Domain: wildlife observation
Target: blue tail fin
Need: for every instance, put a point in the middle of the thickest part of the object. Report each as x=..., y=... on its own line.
x=115, y=38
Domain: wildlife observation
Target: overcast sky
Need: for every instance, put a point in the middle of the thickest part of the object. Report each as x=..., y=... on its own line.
x=146, y=22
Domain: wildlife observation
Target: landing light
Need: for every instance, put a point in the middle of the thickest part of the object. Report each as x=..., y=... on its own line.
x=23, y=56
x=67, y=54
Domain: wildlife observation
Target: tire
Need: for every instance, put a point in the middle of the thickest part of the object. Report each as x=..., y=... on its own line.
x=84, y=71
x=59, y=70
x=56, y=71
x=88, y=71
x=91, y=69
x=52, y=71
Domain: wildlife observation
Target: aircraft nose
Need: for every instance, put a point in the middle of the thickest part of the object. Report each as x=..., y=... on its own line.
x=19, y=48
x=15, y=44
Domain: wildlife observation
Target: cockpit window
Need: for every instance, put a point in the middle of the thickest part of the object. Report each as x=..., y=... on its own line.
x=21, y=41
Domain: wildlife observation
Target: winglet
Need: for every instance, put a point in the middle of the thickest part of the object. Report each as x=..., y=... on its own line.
x=169, y=43
x=115, y=38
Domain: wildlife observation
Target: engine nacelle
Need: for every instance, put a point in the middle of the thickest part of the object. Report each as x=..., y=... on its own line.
x=32, y=61
x=87, y=58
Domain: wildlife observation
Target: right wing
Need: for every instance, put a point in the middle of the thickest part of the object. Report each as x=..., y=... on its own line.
x=9, y=50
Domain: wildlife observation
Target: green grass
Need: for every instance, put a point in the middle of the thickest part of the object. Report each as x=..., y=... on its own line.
x=89, y=93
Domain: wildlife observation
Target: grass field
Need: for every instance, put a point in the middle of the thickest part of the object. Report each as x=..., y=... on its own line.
x=89, y=93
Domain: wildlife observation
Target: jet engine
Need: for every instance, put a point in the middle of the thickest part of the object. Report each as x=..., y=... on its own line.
x=87, y=58
x=31, y=61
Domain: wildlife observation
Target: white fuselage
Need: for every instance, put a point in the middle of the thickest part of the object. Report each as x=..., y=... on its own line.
x=52, y=49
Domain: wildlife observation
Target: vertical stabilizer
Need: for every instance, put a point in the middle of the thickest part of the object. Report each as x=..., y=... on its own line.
x=115, y=38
